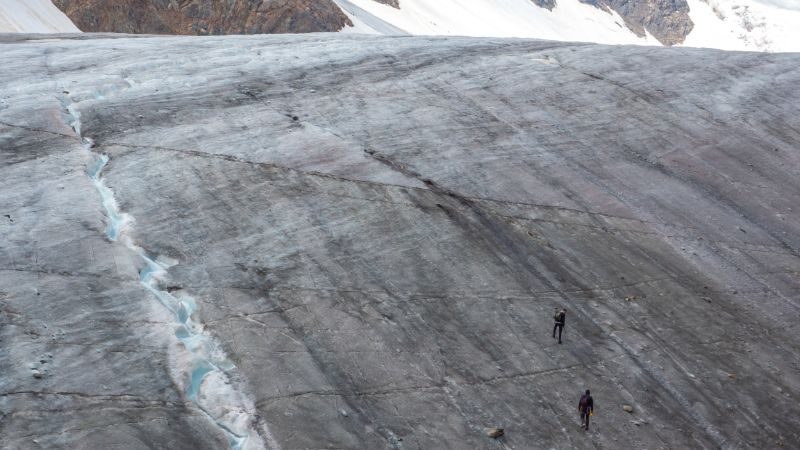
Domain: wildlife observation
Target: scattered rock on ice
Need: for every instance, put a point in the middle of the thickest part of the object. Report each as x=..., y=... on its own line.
x=495, y=432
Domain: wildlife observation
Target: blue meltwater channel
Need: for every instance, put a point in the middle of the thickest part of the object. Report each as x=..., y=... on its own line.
x=209, y=385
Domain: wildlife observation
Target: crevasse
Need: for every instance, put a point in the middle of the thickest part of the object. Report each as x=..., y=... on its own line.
x=209, y=383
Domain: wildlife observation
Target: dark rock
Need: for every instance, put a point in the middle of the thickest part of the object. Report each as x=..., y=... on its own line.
x=548, y=4
x=495, y=432
x=667, y=20
x=392, y=3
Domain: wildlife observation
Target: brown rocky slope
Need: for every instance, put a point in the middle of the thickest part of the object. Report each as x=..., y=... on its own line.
x=203, y=17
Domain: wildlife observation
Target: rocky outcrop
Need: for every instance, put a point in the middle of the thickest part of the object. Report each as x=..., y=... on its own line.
x=549, y=4
x=201, y=17
x=392, y=3
x=667, y=20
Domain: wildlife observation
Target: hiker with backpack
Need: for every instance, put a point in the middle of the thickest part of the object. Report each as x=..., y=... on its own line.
x=586, y=408
x=560, y=317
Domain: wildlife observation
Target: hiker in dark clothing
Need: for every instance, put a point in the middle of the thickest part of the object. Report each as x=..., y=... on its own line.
x=586, y=408
x=560, y=318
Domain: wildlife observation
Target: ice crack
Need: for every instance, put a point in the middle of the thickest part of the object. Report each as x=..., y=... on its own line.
x=210, y=385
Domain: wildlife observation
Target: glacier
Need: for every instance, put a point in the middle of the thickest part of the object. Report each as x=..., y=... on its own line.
x=208, y=385
x=341, y=241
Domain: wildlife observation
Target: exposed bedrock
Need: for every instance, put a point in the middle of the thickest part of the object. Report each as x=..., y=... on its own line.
x=666, y=20
x=392, y=3
x=549, y=4
x=203, y=17
x=376, y=233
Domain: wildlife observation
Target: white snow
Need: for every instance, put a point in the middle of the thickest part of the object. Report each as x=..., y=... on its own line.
x=359, y=27
x=359, y=24
x=763, y=25
x=366, y=23
x=570, y=20
x=33, y=16
x=709, y=30
x=785, y=4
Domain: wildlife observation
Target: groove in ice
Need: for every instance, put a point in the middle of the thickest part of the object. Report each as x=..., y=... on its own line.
x=209, y=385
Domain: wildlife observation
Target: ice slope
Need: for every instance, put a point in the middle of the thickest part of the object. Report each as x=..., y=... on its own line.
x=33, y=16
x=367, y=236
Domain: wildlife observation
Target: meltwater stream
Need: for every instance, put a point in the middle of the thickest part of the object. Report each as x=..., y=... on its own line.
x=209, y=384
x=116, y=220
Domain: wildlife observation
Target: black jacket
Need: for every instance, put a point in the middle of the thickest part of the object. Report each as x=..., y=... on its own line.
x=586, y=404
x=560, y=318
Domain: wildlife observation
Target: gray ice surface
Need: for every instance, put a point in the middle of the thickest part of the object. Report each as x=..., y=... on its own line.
x=368, y=237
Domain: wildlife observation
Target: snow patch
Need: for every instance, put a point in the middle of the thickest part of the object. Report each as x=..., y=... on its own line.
x=363, y=22
x=759, y=25
x=756, y=25
x=570, y=20
x=33, y=16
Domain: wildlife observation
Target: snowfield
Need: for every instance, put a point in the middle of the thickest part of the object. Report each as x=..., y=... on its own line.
x=33, y=16
x=763, y=25
x=570, y=20
x=755, y=25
